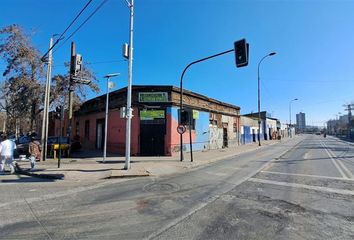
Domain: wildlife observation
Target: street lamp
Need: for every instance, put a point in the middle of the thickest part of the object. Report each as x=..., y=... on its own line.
x=259, y=98
x=295, y=99
x=108, y=76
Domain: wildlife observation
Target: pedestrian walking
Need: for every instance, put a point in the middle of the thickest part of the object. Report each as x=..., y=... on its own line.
x=34, y=149
x=7, y=148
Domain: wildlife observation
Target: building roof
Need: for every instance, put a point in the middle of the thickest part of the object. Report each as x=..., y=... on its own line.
x=263, y=115
x=118, y=99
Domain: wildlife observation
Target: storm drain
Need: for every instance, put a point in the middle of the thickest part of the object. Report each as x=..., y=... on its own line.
x=161, y=187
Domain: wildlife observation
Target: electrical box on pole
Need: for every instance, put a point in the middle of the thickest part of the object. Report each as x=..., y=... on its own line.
x=58, y=112
x=125, y=50
x=241, y=48
x=123, y=112
x=76, y=65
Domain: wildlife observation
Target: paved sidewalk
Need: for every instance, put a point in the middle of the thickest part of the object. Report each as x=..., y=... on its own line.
x=93, y=168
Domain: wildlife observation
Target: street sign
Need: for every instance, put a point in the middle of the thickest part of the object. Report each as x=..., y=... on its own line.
x=181, y=129
x=153, y=97
x=80, y=80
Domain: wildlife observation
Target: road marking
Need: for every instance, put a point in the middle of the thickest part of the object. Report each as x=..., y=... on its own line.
x=308, y=175
x=350, y=175
x=334, y=161
x=210, y=200
x=304, y=186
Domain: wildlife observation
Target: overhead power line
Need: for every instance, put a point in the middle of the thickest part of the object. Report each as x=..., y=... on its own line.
x=67, y=28
x=82, y=24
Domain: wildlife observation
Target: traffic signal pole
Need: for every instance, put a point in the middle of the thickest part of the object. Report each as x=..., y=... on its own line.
x=181, y=96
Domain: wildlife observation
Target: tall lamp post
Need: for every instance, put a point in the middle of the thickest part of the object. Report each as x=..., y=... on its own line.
x=129, y=110
x=295, y=99
x=108, y=76
x=259, y=97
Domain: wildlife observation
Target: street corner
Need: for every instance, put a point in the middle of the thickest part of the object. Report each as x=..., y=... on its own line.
x=134, y=171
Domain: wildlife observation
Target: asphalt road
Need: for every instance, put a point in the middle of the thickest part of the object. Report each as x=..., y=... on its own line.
x=302, y=189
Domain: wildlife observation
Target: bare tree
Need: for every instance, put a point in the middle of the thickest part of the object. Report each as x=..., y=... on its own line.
x=61, y=85
x=22, y=91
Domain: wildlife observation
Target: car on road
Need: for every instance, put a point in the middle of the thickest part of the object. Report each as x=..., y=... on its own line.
x=22, y=144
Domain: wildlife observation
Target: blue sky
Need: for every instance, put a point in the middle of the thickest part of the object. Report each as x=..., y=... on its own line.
x=314, y=41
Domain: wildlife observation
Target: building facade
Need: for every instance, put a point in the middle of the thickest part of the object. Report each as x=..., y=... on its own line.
x=249, y=130
x=300, y=122
x=269, y=128
x=213, y=124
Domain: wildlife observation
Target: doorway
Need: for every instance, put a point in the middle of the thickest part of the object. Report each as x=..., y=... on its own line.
x=100, y=127
x=225, y=138
x=152, y=132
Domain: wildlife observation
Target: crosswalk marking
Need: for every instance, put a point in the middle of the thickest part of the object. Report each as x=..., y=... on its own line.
x=303, y=186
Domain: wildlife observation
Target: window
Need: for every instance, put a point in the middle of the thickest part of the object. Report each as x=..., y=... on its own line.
x=235, y=127
x=87, y=129
x=77, y=129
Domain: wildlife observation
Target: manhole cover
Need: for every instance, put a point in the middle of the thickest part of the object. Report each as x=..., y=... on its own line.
x=161, y=187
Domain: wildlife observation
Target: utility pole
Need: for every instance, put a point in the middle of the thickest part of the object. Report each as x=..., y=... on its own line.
x=44, y=135
x=71, y=89
x=129, y=88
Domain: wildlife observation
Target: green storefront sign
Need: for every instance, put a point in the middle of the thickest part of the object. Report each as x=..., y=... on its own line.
x=151, y=114
x=153, y=97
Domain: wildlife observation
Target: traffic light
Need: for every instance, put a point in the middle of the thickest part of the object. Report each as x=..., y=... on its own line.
x=241, y=48
x=76, y=65
x=185, y=115
x=57, y=113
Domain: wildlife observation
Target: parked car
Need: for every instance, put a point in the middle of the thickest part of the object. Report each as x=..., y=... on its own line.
x=22, y=144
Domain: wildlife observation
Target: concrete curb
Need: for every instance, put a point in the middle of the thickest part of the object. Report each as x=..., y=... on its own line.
x=61, y=176
x=145, y=173
x=20, y=171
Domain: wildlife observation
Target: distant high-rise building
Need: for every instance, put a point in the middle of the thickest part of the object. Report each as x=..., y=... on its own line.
x=300, y=122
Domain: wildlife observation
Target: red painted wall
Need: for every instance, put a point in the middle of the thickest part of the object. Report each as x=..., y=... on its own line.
x=115, y=133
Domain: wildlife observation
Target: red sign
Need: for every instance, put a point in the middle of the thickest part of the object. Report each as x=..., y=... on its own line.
x=181, y=129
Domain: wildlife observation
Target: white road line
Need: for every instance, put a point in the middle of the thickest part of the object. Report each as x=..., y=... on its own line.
x=304, y=186
x=334, y=162
x=347, y=171
x=308, y=175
